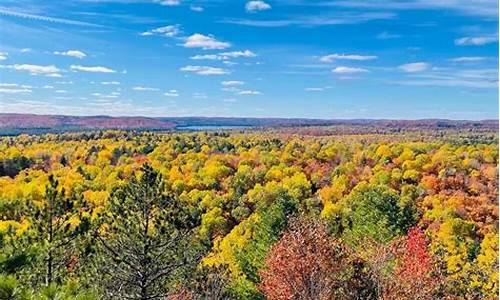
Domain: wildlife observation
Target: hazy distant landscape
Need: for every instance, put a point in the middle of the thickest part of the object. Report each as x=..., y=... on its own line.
x=29, y=123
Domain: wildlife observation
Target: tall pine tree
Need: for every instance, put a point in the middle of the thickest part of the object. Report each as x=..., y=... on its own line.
x=145, y=240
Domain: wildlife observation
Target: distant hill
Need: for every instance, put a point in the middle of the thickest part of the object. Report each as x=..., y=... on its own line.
x=32, y=123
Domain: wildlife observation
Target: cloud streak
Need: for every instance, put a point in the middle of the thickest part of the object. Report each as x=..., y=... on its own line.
x=332, y=57
x=204, y=70
x=96, y=69
x=11, y=13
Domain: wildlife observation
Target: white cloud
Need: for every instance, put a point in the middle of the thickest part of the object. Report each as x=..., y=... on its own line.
x=206, y=57
x=15, y=91
x=50, y=70
x=469, y=59
x=168, y=31
x=314, y=89
x=196, y=8
x=3, y=55
x=49, y=87
x=168, y=2
x=205, y=70
x=253, y=6
x=224, y=55
x=9, y=85
x=60, y=91
x=348, y=70
x=110, y=83
x=476, y=41
x=172, y=93
x=55, y=75
x=25, y=50
x=331, y=57
x=14, y=88
x=96, y=69
x=414, y=67
x=249, y=93
x=232, y=82
x=72, y=53
x=205, y=42
x=235, y=54
x=145, y=89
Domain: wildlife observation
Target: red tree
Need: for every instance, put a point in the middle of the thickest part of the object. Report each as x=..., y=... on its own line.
x=307, y=264
x=414, y=276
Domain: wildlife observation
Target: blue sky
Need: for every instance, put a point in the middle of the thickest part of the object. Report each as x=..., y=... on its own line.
x=291, y=58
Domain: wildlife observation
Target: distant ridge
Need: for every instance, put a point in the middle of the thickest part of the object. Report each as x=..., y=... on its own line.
x=62, y=122
x=32, y=121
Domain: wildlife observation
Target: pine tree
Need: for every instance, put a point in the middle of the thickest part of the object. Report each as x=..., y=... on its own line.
x=145, y=241
x=52, y=235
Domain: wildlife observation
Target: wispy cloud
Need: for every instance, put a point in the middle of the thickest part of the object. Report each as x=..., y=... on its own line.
x=317, y=89
x=414, y=67
x=469, y=78
x=196, y=8
x=168, y=2
x=50, y=70
x=315, y=20
x=205, y=70
x=110, y=83
x=96, y=69
x=168, y=31
x=172, y=93
x=332, y=57
x=72, y=53
x=487, y=8
x=224, y=55
x=249, y=93
x=14, y=88
x=469, y=59
x=145, y=89
x=476, y=41
x=232, y=82
x=349, y=70
x=3, y=55
x=205, y=42
x=11, y=13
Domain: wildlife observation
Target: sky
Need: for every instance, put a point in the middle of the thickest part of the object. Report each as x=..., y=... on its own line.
x=332, y=59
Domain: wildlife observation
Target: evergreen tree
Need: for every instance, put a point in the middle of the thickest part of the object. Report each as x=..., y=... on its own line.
x=145, y=243
x=55, y=227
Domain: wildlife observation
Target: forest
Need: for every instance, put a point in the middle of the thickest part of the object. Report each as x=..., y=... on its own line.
x=284, y=213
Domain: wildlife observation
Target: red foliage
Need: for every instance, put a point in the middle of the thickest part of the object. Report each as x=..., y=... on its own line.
x=415, y=260
x=306, y=264
x=414, y=276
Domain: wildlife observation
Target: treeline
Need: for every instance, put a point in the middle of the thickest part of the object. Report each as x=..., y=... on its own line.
x=264, y=215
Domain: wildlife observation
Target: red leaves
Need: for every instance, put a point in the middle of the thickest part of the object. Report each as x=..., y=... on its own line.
x=305, y=264
x=415, y=260
x=414, y=276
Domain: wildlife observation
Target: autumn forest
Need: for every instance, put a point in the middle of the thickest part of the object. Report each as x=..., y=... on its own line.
x=277, y=213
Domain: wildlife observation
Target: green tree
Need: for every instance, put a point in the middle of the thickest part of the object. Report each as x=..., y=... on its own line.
x=375, y=212
x=55, y=227
x=146, y=240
